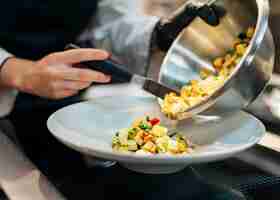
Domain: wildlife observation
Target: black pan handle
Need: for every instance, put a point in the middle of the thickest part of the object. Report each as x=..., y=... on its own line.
x=168, y=29
x=117, y=71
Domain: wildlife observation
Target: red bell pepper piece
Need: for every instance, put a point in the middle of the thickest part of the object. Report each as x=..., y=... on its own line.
x=154, y=121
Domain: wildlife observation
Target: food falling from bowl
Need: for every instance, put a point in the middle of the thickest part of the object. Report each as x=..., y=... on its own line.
x=148, y=136
x=198, y=90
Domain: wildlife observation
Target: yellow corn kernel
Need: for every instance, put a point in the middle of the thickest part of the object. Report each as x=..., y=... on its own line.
x=229, y=60
x=204, y=73
x=139, y=138
x=150, y=147
x=241, y=49
x=186, y=91
x=250, y=32
x=162, y=144
x=228, y=57
x=182, y=147
x=194, y=82
x=172, y=147
x=123, y=136
x=137, y=122
x=159, y=131
x=224, y=72
x=218, y=63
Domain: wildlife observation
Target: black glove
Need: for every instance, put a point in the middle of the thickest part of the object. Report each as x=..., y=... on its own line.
x=168, y=29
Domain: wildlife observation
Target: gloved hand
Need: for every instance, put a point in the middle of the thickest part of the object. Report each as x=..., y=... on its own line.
x=168, y=29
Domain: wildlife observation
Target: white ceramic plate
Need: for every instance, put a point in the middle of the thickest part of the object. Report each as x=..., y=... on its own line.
x=88, y=127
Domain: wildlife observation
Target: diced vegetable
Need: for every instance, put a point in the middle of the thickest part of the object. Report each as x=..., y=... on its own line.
x=182, y=147
x=204, y=73
x=241, y=49
x=162, y=144
x=137, y=122
x=195, y=91
x=144, y=126
x=154, y=121
x=172, y=146
x=123, y=136
x=139, y=138
x=150, y=147
x=148, y=138
x=236, y=42
x=131, y=145
x=159, y=131
x=250, y=32
x=132, y=133
x=152, y=140
x=218, y=63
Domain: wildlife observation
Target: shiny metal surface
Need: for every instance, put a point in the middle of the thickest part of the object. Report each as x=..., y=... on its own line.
x=200, y=43
x=275, y=29
x=151, y=86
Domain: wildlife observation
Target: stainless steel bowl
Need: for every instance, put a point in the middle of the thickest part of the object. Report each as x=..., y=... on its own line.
x=200, y=43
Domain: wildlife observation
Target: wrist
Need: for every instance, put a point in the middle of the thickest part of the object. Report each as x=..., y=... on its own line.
x=13, y=71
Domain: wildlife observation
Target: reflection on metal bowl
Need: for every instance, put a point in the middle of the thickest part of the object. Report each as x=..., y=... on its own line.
x=200, y=43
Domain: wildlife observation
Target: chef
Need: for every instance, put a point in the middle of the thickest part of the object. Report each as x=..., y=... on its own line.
x=37, y=76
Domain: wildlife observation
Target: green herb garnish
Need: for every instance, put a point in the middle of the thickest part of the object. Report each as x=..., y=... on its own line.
x=132, y=133
x=145, y=126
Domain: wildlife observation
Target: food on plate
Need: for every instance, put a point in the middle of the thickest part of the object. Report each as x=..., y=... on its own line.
x=148, y=136
x=198, y=90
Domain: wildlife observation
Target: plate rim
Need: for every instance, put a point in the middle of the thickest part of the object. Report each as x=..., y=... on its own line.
x=84, y=147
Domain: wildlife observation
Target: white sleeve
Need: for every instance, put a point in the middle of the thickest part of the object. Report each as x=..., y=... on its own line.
x=126, y=33
x=7, y=95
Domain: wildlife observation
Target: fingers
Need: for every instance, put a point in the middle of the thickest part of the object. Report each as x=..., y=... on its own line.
x=55, y=78
x=63, y=94
x=77, y=74
x=70, y=85
x=76, y=56
x=62, y=60
x=63, y=88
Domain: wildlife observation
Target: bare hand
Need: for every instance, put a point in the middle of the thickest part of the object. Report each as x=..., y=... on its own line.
x=54, y=76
